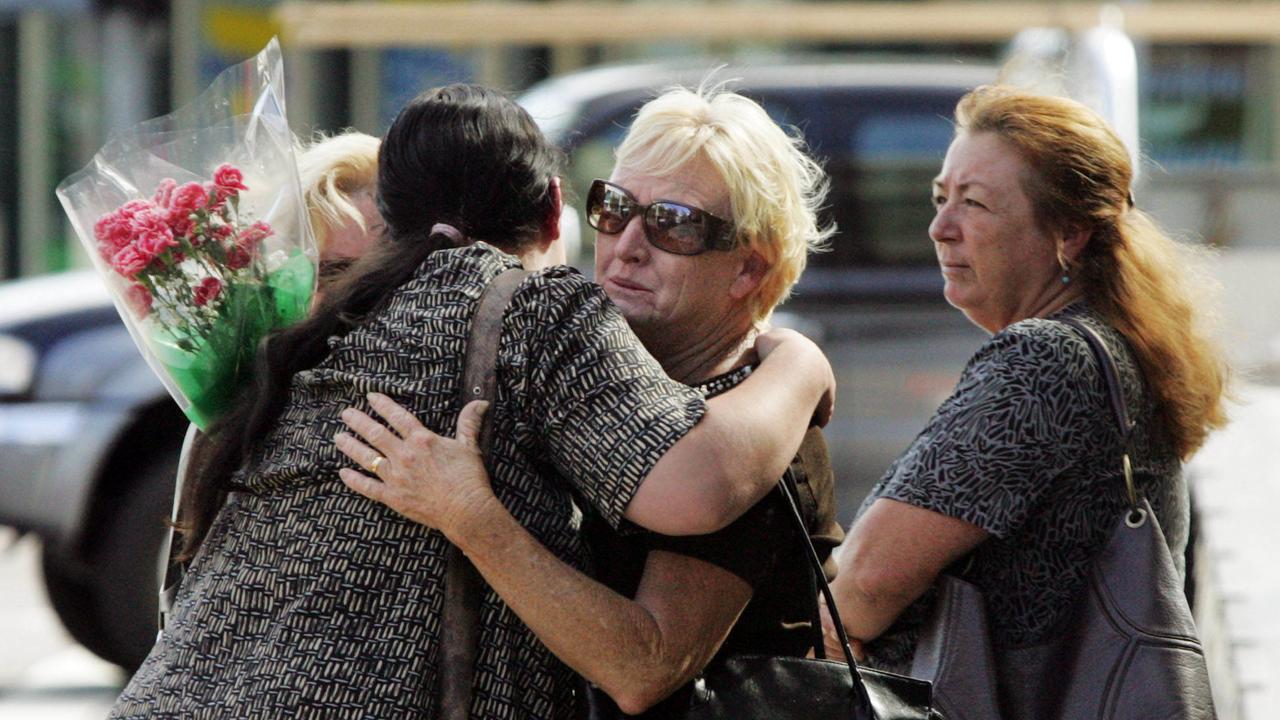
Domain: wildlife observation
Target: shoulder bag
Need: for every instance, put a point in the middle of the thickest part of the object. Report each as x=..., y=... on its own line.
x=767, y=687
x=463, y=586
x=1126, y=650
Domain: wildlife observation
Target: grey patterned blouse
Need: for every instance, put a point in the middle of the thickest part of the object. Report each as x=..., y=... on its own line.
x=1027, y=449
x=309, y=600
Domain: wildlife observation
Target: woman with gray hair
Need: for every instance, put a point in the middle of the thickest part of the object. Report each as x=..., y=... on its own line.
x=702, y=229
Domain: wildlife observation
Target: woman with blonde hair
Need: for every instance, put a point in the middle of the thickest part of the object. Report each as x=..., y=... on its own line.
x=339, y=179
x=702, y=229
x=1018, y=471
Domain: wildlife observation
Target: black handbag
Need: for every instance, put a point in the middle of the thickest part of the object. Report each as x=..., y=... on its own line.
x=1127, y=649
x=770, y=687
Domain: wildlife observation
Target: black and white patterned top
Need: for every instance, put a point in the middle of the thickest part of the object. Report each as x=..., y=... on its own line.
x=1027, y=449
x=309, y=600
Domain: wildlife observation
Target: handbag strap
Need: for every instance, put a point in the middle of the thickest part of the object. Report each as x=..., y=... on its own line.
x=173, y=572
x=1112, y=377
x=789, y=491
x=463, y=586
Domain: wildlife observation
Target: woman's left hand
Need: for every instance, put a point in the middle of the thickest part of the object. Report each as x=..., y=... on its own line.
x=831, y=639
x=805, y=357
x=437, y=481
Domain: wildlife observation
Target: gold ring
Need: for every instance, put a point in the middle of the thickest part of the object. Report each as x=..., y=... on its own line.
x=377, y=462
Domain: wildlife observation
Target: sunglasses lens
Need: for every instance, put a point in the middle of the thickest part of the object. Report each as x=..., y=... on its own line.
x=677, y=228
x=607, y=209
x=669, y=226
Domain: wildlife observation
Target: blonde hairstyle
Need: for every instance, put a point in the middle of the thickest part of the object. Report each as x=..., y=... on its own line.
x=775, y=189
x=331, y=171
x=1151, y=288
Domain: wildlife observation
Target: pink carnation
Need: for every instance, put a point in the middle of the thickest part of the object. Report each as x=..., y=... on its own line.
x=112, y=234
x=189, y=197
x=238, y=257
x=229, y=177
x=139, y=298
x=221, y=232
x=133, y=207
x=164, y=192
x=207, y=290
x=152, y=234
x=251, y=236
x=130, y=261
x=114, y=230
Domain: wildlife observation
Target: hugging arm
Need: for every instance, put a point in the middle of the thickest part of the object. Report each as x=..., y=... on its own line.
x=744, y=443
x=638, y=651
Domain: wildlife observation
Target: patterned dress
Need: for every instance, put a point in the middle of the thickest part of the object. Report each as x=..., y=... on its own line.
x=307, y=600
x=1028, y=450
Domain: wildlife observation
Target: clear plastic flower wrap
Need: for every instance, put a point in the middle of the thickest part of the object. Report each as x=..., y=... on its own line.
x=195, y=221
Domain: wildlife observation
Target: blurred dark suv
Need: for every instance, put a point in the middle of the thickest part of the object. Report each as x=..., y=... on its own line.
x=89, y=438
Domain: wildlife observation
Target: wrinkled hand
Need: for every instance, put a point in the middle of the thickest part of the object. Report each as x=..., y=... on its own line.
x=806, y=357
x=437, y=481
x=831, y=639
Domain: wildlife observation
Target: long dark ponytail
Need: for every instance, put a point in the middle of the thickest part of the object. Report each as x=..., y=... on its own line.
x=461, y=154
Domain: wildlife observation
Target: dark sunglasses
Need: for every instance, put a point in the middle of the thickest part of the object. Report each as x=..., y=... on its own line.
x=671, y=226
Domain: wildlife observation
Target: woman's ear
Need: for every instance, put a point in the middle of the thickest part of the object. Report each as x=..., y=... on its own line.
x=1072, y=244
x=551, y=223
x=750, y=275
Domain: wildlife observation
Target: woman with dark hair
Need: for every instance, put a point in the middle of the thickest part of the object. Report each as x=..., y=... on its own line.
x=657, y=610
x=302, y=594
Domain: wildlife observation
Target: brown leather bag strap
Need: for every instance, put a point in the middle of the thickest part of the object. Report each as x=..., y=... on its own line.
x=463, y=586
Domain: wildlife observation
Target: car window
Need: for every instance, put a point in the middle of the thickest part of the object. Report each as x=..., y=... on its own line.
x=883, y=204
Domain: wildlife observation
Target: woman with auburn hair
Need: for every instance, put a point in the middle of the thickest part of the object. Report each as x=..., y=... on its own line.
x=1018, y=471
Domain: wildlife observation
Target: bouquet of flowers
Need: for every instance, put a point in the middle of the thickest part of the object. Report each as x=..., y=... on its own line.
x=195, y=221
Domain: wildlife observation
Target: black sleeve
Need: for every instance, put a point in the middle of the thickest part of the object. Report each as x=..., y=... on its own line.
x=748, y=547
x=1022, y=413
x=752, y=546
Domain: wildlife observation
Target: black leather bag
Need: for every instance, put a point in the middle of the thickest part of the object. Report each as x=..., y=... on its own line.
x=1126, y=650
x=769, y=687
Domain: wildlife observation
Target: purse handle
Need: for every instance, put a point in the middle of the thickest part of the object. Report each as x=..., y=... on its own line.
x=463, y=586
x=1112, y=377
x=787, y=486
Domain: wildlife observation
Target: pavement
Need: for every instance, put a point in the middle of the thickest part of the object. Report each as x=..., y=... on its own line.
x=44, y=674
x=1236, y=482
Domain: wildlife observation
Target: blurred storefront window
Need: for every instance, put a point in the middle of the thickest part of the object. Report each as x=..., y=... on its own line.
x=1207, y=106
